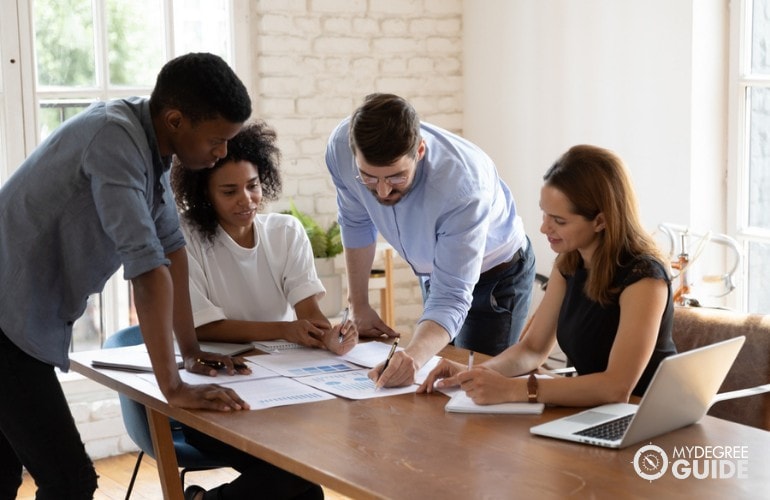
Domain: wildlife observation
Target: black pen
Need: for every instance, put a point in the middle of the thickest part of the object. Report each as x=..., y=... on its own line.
x=387, y=361
x=218, y=365
x=345, y=314
x=390, y=354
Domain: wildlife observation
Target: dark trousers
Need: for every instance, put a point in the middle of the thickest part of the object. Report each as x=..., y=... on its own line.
x=258, y=479
x=37, y=431
x=499, y=308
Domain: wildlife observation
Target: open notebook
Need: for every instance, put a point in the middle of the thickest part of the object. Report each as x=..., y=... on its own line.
x=681, y=391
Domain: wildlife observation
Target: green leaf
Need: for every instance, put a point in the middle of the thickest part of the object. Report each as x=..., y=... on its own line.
x=325, y=243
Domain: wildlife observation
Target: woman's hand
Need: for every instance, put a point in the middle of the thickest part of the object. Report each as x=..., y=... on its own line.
x=486, y=386
x=307, y=333
x=443, y=375
x=342, y=338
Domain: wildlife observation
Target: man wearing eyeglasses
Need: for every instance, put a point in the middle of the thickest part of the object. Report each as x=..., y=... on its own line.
x=438, y=200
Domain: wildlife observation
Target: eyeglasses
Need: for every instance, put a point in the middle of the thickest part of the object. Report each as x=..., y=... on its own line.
x=368, y=180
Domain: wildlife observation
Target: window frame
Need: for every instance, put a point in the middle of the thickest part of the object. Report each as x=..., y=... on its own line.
x=20, y=101
x=741, y=80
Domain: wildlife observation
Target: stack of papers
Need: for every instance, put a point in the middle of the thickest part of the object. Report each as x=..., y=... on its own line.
x=132, y=358
x=300, y=375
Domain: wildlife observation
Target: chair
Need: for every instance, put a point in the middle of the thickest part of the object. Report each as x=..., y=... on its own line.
x=188, y=457
x=382, y=280
x=699, y=326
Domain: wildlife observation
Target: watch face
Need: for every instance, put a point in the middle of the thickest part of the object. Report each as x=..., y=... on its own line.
x=650, y=462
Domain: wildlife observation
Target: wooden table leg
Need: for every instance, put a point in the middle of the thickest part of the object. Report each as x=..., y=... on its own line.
x=163, y=442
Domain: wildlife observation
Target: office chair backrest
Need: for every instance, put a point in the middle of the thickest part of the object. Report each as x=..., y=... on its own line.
x=699, y=326
x=134, y=414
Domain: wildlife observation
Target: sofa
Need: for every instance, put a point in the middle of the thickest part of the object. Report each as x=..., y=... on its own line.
x=697, y=326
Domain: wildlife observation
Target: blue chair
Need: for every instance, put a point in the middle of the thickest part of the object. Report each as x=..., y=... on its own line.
x=188, y=457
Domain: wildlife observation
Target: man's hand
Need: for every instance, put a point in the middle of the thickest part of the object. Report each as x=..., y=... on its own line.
x=209, y=363
x=369, y=323
x=206, y=397
x=401, y=371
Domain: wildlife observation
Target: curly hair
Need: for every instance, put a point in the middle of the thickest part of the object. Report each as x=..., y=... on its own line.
x=255, y=143
x=203, y=87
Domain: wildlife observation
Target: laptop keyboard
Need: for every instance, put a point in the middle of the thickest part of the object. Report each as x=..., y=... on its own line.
x=611, y=431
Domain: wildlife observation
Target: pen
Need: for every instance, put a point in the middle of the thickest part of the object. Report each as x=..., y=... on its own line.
x=345, y=314
x=390, y=354
x=470, y=360
x=218, y=365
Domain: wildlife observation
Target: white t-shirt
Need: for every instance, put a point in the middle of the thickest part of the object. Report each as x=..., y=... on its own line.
x=262, y=283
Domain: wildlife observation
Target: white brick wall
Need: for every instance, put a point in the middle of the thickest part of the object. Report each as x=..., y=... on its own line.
x=96, y=411
x=314, y=62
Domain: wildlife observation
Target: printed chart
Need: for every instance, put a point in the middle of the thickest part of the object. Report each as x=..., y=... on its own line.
x=353, y=385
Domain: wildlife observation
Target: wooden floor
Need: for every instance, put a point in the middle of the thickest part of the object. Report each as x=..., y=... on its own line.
x=115, y=474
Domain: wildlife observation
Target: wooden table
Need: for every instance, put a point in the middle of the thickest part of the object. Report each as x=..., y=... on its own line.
x=407, y=447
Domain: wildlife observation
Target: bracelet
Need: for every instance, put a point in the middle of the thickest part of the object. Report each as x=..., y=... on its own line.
x=532, y=388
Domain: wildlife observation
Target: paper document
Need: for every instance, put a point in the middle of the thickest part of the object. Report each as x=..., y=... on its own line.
x=257, y=373
x=353, y=385
x=301, y=363
x=369, y=354
x=225, y=348
x=277, y=391
x=357, y=385
x=131, y=358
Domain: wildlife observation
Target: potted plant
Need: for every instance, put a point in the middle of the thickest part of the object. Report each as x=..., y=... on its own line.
x=326, y=244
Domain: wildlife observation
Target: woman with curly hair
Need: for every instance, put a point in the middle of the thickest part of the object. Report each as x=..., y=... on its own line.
x=251, y=274
x=251, y=278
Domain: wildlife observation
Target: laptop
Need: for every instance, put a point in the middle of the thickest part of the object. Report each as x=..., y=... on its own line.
x=679, y=394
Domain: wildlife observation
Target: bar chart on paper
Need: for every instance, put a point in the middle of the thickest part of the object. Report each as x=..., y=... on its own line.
x=302, y=363
x=352, y=385
x=278, y=391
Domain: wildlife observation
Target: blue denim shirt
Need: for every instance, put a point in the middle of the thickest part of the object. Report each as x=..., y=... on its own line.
x=92, y=197
x=458, y=219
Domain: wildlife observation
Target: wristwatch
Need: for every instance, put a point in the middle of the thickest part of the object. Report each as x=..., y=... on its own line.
x=532, y=388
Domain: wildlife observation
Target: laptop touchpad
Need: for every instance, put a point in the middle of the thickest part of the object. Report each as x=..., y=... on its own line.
x=591, y=417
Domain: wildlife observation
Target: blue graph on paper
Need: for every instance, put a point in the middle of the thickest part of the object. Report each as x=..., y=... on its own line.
x=319, y=369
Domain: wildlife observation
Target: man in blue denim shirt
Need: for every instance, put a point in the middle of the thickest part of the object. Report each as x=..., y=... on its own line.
x=438, y=200
x=92, y=197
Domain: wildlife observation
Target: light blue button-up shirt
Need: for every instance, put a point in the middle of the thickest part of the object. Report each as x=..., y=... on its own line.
x=94, y=195
x=458, y=219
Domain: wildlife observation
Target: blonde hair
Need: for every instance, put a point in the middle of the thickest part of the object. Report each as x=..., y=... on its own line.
x=596, y=181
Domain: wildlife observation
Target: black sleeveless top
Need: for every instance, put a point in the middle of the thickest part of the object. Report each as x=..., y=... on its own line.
x=586, y=330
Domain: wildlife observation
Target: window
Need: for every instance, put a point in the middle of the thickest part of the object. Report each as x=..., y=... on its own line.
x=750, y=146
x=69, y=53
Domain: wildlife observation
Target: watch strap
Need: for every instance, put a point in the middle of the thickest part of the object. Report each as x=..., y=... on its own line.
x=532, y=388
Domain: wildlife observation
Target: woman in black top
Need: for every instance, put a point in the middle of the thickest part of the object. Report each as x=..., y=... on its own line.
x=608, y=302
